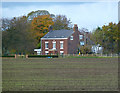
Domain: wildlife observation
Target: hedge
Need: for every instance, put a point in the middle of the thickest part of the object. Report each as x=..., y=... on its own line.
x=43, y=56
x=8, y=56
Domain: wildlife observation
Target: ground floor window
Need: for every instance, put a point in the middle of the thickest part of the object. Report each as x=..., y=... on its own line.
x=61, y=52
x=61, y=44
x=46, y=52
x=46, y=45
x=82, y=43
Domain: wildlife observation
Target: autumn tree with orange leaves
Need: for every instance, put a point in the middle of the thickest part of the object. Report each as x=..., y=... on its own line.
x=40, y=26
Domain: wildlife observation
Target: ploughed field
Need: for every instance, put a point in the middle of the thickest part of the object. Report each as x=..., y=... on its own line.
x=37, y=74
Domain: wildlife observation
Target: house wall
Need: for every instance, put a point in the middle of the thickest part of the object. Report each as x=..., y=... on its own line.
x=86, y=37
x=70, y=46
x=50, y=46
x=74, y=44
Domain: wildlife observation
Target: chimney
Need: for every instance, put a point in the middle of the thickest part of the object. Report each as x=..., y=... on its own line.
x=87, y=33
x=50, y=28
x=75, y=28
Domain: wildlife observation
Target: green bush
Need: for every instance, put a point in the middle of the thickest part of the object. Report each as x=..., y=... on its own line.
x=8, y=56
x=43, y=56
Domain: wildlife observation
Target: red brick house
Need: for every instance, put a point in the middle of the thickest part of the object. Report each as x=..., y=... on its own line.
x=62, y=41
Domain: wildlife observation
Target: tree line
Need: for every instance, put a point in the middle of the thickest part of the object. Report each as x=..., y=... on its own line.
x=23, y=34
x=108, y=36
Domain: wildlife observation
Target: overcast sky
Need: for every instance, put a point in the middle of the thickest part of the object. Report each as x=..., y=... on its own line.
x=86, y=14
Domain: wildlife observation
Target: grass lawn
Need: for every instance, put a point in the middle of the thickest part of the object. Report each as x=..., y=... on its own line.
x=35, y=74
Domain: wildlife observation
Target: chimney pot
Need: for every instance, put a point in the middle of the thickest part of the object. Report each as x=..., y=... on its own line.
x=75, y=28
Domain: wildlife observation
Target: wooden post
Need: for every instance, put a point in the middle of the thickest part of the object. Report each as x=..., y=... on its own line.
x=15, y=55
x=26, y=56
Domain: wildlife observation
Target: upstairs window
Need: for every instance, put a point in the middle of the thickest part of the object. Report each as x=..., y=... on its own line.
x=46, y=45
x=71, y=37
x=80, y=36
x=54, y=45
x=61, y=52
x=61, y=44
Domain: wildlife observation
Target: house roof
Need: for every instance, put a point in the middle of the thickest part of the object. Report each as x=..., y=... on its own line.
x=59, y=34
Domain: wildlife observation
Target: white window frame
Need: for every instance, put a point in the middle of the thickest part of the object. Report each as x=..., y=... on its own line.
x=71, y=37
x=80, y=37
x=54, y=42
x=83, y=44
x=46, y=42
x=61, y=52
x=46, y=52
x=61, y=42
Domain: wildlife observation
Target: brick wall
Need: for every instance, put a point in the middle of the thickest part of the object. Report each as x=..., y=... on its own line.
x=50, y=46
x=69, y=46
x=74, y=44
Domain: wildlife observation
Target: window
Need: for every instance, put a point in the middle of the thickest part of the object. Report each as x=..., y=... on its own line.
x=46, y=52
x=82, y=43
x=54, y=45
x=71, y=37
x=80, y=36
x=61, y=44
x=61, y=52
x=46, y=45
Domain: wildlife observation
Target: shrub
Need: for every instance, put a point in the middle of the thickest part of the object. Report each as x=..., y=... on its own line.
x=43, y=56
x=8, y=56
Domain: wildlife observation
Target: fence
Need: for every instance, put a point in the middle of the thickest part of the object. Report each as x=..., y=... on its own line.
x=62, y=56
x=89, y=55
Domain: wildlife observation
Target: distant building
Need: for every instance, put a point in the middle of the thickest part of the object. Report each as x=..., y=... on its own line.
x=38, y=51
x=62, y=41
x=66, y=42
x=97, y=49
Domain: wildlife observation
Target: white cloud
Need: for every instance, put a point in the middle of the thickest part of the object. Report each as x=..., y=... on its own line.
x=88, y=15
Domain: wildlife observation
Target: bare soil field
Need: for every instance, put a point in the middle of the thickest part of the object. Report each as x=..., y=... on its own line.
x=73, y=74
